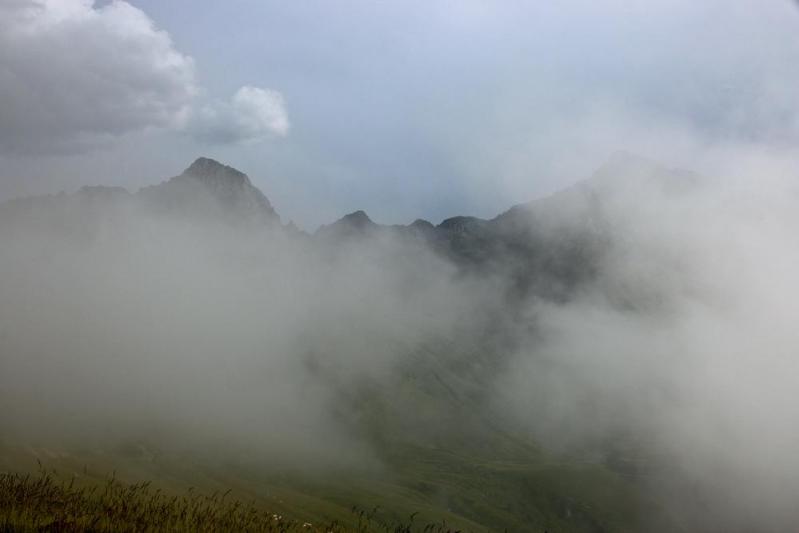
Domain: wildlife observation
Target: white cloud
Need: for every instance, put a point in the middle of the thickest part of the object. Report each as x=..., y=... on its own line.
x=252, y=115
x=73, y=75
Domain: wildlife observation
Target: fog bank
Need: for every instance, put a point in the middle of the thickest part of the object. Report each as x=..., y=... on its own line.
x=667, y=352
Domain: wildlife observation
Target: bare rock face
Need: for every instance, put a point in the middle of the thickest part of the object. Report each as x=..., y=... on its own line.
x=209, y=187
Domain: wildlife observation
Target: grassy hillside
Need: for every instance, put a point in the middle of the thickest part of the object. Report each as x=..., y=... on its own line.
x=439, y=458
x=417, y=486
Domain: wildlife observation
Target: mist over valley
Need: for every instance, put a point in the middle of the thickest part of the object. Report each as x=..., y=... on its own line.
x=417, y=267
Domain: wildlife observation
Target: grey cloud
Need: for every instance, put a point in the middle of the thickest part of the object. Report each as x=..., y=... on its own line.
x=73, y=75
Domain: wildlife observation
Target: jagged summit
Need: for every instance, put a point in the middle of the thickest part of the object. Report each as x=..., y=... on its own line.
x=354, y=224
x=206, y=163
x=357, y=219
x=210, y=170
x=207, y=183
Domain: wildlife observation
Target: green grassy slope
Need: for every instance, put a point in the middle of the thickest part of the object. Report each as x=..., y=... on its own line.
x=439, y=456
x=467, y=491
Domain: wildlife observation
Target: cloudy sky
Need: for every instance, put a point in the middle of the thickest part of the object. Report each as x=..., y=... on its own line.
x=404, y=109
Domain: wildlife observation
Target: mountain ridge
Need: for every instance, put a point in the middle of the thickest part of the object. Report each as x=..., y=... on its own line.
x=233, y=190
x=548, y=246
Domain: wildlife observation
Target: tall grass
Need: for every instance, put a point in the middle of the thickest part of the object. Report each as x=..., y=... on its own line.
x=44, y=502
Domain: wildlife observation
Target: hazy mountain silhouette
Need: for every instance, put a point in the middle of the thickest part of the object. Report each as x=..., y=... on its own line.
x=546, y=246
x=207, y=185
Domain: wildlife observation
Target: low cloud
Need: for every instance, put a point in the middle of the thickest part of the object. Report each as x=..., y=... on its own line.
x=671, y=360
x=685, y=340
x=216, y=333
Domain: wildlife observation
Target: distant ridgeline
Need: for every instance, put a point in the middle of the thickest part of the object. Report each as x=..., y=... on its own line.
x=547, y=246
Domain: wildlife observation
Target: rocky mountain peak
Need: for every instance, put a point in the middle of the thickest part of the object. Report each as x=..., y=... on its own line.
x=354, y=224
x=358, y=219
x=206, y=180
x=211, y=171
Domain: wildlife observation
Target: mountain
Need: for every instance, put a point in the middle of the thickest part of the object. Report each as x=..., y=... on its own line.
x=352, y=226
x=429, y=417
x=209, y=186
x=547, y=247
x=563, y=223
x=206, y=190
